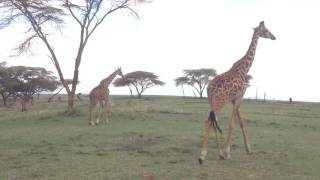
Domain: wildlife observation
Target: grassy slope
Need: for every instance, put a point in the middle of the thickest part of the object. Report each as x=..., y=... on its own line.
x=161, y=135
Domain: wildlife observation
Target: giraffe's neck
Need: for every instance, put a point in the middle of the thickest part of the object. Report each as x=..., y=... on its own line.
x=243, y=65
x=107, y=81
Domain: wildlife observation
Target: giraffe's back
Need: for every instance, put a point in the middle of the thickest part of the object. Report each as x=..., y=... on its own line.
x=99, y=93
x=225, y=88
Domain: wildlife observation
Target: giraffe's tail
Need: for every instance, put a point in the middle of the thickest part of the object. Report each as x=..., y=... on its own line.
x=212, y=117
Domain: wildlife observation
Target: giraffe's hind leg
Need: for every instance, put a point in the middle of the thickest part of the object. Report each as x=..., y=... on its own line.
x=100, y=111
x=218, y=142
x=204, y=151
x=227, y=154
x=91, y=109
x=208, y=126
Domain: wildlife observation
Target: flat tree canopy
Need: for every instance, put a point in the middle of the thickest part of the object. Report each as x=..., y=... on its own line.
x=24, y=82
x=32, y=80
x=196, y=78
x=140, y=80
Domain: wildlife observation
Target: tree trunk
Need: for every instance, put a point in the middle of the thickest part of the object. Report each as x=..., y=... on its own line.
x=195, y=95
x=75, y=77
x=4, y=98
x=5, y=102
x=182, y=90
x=138, y=92
x=23, y=101
x=32, y=100
x=201, y=88
x=130, y=91
x=70, y=102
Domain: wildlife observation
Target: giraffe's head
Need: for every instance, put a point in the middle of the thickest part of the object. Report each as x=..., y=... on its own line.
x=263, y=32
x=120, y=72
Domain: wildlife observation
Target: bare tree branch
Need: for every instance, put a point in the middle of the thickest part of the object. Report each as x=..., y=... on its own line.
x=24, y=46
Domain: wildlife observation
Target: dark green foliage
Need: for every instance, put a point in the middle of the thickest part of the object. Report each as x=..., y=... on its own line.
x=24, y=82
x=6, y=83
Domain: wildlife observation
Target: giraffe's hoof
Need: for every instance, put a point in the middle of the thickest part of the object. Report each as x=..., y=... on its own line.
x=221, y=157
x=227, y=156
x=248, y=150
x=200, y=161
x=224, y=157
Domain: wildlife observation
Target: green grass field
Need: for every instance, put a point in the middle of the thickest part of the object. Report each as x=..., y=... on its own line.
x=159, y=135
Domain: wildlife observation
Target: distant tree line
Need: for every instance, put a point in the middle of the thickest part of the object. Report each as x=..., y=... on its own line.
x=24, y=82
x=196, y=78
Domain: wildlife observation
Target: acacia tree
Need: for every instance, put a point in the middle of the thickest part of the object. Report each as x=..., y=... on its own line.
x=30, y=81
x=248, y=78
x=123, y=81
x=6, y=83
x=140, y=80
x=180, y=81
x=196, y=78
x=40, y=15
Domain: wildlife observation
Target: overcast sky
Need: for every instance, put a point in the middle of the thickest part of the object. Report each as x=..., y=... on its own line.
x=173, y=35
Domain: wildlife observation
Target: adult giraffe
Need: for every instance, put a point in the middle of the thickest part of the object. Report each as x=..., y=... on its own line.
x=100, y=94
x=230, y=87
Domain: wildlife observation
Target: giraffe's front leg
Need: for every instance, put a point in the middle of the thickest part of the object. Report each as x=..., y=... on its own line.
x=244, y=132
x=227, y=154
x=106, y=112
x=91, y=109
x=91, y=123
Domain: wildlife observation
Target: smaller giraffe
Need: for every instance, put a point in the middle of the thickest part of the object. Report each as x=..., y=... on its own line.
x=100, y=94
